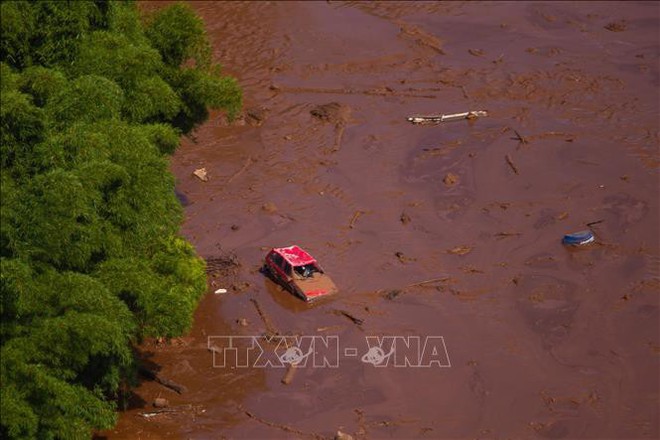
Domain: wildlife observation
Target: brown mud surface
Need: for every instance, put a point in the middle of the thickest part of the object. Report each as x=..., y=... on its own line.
x=544, y=341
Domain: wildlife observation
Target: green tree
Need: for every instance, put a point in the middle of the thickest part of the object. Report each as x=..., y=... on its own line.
x=200, y=90
x=179, y=36
x=22, y=125
x=136, y=68
x=46, y=32
x=88, y=98
x=92, y=103
x=41, y=83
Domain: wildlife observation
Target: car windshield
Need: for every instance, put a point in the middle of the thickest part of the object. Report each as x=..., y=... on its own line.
x=306, y=271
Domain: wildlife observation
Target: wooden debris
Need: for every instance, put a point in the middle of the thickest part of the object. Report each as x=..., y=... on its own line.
x=436, y=119
x=167, y=383
x=507, y=234
x=269, y=208
x=290, y=373
x=460, y=250
x=339, y=134
x=248, y=162
x=590, y=224
x=356, y=321
x=519, y=138
x=421, y=38
x=509, y=161
x=392, y=294
x=187, y=408
x=337, y=114
x=355, y=218
x=362, y=423
x=201, y=174
x=432, y=280
x=568, y=137
x=343, y=436
x=450, y=179
x=402, y=258
x=616, y=26
x=270, y=328
x=471, y=269
x=285, y=428
x=329, y=327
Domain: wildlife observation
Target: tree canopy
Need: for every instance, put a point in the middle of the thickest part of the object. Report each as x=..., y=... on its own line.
x=94, y=97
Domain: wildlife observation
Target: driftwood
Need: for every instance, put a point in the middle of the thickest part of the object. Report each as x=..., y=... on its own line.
x=146, y=415
x=336, y=113
x=519, y=138
x=362, y=423
x=509, y=161
x=460, y=250
x=436, y=119
x=507, y=234
x=248, y=162
x=433, y=280
x=181, y=409
x=290, y=373
x=270, y=328
x=355, y=218
x=285, y=428
x=356, y=321
x=339, y=134
x=393, y=294
x=167, y=383
x=329, y=327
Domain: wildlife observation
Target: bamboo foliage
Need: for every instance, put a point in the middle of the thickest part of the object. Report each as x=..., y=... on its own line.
x=93, y=100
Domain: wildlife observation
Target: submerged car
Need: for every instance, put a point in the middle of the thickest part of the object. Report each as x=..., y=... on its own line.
x=298, y=272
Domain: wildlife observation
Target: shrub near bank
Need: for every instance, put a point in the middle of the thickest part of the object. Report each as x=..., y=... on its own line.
x=93, y=99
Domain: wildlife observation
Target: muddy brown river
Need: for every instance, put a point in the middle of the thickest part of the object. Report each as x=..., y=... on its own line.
x=445, y=240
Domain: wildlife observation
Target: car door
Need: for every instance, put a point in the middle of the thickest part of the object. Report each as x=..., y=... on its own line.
x=277, y=266
x=287, y=269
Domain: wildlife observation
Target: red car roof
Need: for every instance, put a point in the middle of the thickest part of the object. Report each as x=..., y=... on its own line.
x=295, y=255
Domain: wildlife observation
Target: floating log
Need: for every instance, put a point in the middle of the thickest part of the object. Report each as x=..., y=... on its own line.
x=167, y=383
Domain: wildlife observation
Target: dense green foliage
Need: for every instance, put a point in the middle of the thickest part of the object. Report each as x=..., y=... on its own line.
x=94, y=97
